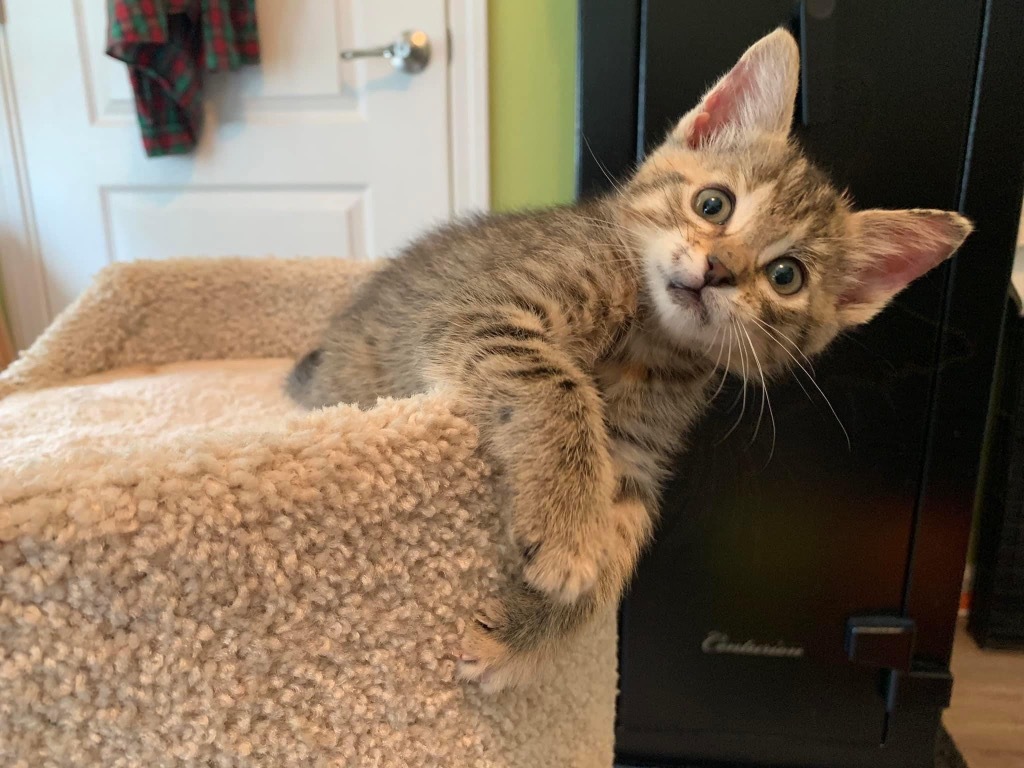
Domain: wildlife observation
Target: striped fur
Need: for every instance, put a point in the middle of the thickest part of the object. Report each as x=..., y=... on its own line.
x=560, y=333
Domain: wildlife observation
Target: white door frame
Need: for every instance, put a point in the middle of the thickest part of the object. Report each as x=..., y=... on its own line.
x=21, y=262
x=25, y=295
x=468, y=107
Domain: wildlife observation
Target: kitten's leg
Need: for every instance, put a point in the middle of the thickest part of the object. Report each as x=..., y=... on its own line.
x=542, y=418
x=517, y=635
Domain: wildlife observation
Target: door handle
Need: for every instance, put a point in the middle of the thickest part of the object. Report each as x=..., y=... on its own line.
x=410, y=53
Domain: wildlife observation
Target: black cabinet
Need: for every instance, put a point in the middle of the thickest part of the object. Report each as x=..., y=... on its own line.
x=997, y=612
x=735, y=637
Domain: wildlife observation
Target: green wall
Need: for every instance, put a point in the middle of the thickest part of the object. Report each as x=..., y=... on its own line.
x=533, y=101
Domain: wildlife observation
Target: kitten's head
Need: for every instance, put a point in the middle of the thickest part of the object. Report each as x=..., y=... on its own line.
x=746, y=244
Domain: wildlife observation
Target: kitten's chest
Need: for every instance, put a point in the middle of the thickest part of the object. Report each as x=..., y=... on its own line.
x=652, y=397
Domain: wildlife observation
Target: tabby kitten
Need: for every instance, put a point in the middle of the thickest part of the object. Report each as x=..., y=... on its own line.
x=586, y=340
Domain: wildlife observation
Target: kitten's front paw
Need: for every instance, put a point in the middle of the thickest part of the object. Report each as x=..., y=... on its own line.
x=563, y=570
x=486, y=659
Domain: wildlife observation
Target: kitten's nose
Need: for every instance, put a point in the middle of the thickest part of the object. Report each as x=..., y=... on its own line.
x=718, y=273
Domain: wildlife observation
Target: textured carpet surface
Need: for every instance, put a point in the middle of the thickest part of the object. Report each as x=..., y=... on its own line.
x=145, y=404
x=194, y=573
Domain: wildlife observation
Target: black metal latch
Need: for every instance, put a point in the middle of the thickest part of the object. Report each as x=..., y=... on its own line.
x=886, y=642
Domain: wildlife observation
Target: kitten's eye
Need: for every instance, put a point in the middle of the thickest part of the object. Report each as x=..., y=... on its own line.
x=786, y=275
x=713, y=204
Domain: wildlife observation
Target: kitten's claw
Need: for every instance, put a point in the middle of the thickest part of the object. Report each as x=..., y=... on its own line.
x=485, y=623
x=488, y=661
x=530, y=551
x=477, y=671
x=564, y=575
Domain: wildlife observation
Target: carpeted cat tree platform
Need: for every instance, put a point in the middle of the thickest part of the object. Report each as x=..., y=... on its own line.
x=193, y=571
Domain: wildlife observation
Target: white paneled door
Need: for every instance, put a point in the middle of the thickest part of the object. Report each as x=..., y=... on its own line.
x=305, y=155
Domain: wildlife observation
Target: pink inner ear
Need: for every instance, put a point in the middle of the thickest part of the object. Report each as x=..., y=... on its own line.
x=890, y=274
x=700, y=130
x=721, y=106
x=903, y=251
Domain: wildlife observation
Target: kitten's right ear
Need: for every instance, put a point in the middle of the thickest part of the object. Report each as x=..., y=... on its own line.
x=756, y=96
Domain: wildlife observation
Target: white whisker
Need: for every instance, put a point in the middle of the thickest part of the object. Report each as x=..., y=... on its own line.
x=721, y=348
x=788, y=339
x=712, y=342
x=743, y=381
x=604, y=170
x=770, y=332
x=765, y=397
x=725, y=371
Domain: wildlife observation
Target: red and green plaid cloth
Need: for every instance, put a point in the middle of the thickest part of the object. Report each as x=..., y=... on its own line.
x=166, y=45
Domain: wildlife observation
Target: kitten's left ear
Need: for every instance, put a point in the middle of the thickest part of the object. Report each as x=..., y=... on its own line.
x=894, y=249
x=756, y=96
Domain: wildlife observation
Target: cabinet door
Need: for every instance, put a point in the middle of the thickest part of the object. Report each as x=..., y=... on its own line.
x=777, y=538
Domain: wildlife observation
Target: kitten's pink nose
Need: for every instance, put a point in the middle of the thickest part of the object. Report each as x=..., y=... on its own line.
x=718, y=273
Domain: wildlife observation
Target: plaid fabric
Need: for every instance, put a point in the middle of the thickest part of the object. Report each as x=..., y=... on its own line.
x=165, y=44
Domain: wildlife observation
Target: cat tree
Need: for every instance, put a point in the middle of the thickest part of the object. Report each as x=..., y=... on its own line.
x=193, y=570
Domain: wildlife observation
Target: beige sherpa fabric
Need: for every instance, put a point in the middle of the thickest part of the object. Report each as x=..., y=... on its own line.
x=193, y=572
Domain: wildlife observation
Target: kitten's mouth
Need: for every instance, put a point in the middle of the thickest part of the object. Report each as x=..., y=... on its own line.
x=687, y=296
